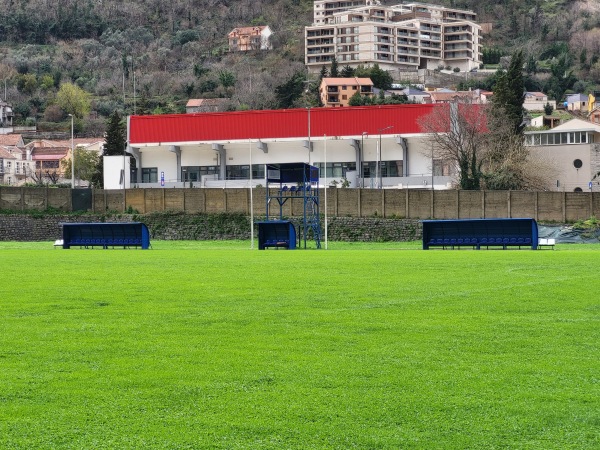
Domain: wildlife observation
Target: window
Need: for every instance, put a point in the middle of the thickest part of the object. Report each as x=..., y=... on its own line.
x=335, y=170
x=149, y=175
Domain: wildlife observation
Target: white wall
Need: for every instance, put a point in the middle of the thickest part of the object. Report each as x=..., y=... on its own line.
x=113, y=167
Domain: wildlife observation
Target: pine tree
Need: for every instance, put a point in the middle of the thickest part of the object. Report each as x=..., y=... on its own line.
x=347, y=72
x=509, y=92
x=116, y=140
x=334, y=72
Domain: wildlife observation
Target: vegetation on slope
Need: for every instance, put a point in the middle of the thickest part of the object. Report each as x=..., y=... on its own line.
x=151, y=56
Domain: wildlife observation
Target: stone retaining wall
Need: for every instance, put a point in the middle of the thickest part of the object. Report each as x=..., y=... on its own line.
x=183, y=226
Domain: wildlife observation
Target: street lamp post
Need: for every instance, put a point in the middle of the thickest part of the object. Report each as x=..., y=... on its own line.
x=378, y=175
x=72, y=156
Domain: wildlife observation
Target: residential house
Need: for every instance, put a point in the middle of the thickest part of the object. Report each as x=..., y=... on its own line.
x=416, y=95
x=12, y=140
x=14, y=166
x=48, y=155
x=577, y=103
x=244, y=39
x=536, y=101
x=202, y=105
x=407, y=36
x=336, y=92
x=6, y=115
x=594, y=116
x=447, y=97
x=7, y=166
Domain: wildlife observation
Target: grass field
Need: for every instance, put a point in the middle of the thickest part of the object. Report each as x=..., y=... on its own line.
x=367, y=346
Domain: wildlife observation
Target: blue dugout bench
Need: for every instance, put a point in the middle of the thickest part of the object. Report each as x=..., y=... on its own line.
x=478, y=233
x=276, y=233
x=128, y=234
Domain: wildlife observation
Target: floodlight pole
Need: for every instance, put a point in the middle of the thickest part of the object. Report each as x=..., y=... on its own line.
x=72, y=155
x=251, y=201
x=325, y=142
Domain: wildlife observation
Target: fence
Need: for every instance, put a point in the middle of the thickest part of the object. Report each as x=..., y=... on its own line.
x=405, y=203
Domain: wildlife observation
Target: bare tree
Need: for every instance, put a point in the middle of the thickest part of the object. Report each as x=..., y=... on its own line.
x=480, y=143
x=456, y=137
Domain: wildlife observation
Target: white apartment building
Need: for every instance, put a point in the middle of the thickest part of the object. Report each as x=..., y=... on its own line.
x=406, y=37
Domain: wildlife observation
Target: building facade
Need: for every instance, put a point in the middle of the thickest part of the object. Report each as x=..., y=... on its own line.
x=244, y=39
x=337, y=92
x=406, y=37
x=369, y=146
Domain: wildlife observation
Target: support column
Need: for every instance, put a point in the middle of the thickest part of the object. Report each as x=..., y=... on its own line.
x=177, y=150
x=220, y=149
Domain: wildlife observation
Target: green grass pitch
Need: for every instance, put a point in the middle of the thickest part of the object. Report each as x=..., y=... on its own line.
x=370, y=346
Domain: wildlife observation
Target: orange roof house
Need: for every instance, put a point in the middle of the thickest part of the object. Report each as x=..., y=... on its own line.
x=243, y=39
x=336, y=92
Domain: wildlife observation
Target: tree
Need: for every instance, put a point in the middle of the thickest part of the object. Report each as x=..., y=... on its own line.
x=333, y=71
x=509, y=92
x=73, y=100
x=380, y=78
x=482, y=145
x=288, y=92
x=227, y=79
x=347, y=72
x=115, y=138
x=562, y=77
x=86, y=164
x=508, y=164
x=456, y=137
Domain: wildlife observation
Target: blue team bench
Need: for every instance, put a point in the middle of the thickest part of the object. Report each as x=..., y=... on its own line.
x=277, y=234
x=128, y=234
x=477, y=233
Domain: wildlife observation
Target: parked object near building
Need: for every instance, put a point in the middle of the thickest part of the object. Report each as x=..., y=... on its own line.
x=406, y=36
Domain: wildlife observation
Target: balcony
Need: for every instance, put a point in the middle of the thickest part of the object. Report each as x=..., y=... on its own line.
x=332, y=89
x=333, y=100
x=313, y=42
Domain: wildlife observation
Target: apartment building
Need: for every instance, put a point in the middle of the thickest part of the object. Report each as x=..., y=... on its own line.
x=336, y=92
x=324, y=9
x=406, y=37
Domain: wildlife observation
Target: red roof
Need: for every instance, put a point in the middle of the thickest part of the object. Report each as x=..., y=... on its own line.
x=276, y=124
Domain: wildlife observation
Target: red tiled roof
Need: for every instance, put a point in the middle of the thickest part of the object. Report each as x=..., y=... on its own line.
x=247, y=30
x=10, y=139
x=196, y=102
x=5, y=154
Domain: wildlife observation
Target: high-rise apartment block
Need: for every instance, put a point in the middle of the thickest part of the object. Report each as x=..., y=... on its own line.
x=406, y=37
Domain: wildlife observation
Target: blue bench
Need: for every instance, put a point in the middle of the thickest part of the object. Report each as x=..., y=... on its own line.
x=277, y=234
x=478, y=233
x=128, y=234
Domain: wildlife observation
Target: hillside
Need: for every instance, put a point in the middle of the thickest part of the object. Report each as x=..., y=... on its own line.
x=175, y=50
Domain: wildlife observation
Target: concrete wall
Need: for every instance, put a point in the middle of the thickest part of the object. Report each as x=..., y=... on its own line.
x=385, y=203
